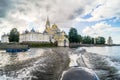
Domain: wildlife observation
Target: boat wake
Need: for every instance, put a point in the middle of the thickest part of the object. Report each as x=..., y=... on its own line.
x=106, y=67
x=45, y=64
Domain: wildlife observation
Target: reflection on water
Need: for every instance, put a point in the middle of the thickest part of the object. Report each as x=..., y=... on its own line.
x=11, y=58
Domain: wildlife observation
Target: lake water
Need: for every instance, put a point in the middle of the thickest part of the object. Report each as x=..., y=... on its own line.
x=108, y=51
x=35, y=64
x=113, y=51
x=111, y=54
x=17, y=66
x=11, y=58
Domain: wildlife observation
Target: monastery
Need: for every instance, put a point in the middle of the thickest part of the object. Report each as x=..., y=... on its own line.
x=50, y=34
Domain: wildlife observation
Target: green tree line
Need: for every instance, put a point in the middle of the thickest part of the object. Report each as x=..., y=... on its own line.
x=74, y=37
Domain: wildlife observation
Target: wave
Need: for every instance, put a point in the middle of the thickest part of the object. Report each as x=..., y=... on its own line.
x=42, y=66
x=106, y=67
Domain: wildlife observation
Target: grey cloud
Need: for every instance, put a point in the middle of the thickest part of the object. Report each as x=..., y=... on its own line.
x=61, y=12
x=57, y=10
x=77, y=12
x=4, y=7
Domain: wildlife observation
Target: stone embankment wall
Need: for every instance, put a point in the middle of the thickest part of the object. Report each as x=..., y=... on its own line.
x=12, y=45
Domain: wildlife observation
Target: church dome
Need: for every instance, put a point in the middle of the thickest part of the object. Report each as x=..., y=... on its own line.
x=32, y=30
x=54, y=26
x=26, y=31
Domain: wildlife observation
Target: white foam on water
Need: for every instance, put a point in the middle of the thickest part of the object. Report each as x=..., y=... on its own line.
x=9, y=58
x=114, y=64
x=4, y=59
x=76, y=57
x=73, y=59
x=87, y=63
x=25, y=73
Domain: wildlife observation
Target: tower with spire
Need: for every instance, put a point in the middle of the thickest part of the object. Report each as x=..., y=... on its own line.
x=56, y=34
x=109, y=41
x=47, y=26
x=47, y=23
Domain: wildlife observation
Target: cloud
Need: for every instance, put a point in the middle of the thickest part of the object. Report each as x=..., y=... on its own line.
x=59, y=11
x=107, y=10
x=4, y=7
x=104, y=9
x=102, y=29
x=21, y=13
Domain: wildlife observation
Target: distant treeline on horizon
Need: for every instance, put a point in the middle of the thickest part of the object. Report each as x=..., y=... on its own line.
x=74, y=37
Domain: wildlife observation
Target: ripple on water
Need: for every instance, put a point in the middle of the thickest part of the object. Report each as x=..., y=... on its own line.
x=11, y=58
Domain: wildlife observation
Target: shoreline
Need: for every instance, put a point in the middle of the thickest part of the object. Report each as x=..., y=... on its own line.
x=92, y=45
x=4, y=46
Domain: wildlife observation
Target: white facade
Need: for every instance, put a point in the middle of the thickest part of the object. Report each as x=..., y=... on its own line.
x=28, y=37
x=4, y=39
x=109, y=41
x=63, y=42
x=34, y=37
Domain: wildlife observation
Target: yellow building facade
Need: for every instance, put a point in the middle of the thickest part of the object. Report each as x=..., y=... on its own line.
x=56, y=35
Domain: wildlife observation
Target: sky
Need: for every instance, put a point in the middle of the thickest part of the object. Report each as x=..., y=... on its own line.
x=89, y=17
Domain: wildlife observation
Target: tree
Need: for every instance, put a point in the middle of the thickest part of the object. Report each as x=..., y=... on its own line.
x=79, y=38
x=87, y=40
x=73, y=35
x=93, y=42
x=100, y=40
x=14, y=35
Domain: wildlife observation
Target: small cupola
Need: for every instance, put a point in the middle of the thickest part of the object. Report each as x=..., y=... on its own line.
x=32, y=30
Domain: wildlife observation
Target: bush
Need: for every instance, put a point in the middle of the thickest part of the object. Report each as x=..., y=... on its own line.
x=39, y=44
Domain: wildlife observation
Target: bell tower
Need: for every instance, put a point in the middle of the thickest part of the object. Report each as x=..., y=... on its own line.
x=47, y=26
x=47, y=23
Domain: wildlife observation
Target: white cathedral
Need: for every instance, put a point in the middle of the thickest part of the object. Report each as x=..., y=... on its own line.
x=50, y=34
x=33, y=36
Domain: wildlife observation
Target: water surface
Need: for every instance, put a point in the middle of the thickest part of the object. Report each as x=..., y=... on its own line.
x=112, y=57
x=11, y=58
